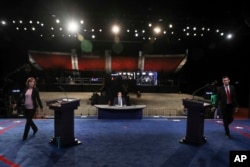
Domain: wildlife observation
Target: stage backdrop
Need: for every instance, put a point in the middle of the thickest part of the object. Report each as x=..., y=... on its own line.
x=71, y=61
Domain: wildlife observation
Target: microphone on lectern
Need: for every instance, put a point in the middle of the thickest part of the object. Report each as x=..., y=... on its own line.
x=197, y=90
x=205, y=86
x=60, y=87
x=214, y=83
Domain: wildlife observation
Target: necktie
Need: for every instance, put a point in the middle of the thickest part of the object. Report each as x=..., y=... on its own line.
x=120, y=101
x=228, y=95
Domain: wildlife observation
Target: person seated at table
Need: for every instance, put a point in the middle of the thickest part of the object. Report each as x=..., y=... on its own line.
x=119, y=100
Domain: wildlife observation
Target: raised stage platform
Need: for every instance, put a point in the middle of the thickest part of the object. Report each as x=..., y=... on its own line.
x=157, y=104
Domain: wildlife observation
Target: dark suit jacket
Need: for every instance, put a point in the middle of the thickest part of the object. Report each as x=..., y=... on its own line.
x=221, y=101
x=35, y=98
x=115, y=102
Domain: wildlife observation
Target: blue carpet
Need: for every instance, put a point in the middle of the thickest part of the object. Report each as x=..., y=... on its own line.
x=150, y=142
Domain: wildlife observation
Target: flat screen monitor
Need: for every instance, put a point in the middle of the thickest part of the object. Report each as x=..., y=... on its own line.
x=146, y=78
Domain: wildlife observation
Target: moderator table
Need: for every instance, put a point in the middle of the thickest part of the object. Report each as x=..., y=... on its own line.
x=120, y=112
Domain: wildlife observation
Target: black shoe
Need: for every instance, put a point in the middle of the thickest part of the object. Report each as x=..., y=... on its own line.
x=24, y=138
x=35, y=131
x=228, y=136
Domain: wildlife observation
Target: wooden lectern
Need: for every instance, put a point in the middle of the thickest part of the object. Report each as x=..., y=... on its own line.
x=64, y=121
x=195, y=121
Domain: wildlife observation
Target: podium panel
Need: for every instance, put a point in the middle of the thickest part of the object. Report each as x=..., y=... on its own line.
x=195, y=121
x=124, y=112
x=64, y=121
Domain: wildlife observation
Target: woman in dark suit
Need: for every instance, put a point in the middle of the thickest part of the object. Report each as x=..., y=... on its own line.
x=30, y=99
x=227, y=103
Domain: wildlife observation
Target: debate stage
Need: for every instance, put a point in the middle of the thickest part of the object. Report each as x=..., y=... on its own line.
x=157, y=104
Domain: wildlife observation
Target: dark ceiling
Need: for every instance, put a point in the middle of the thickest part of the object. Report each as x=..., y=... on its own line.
x=225, y=16
x=222, y=16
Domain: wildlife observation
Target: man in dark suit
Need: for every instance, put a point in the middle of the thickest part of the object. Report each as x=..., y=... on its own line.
x=227, y=103
x=119, y=100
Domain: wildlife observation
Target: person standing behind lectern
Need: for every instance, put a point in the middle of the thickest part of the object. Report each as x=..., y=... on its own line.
x=119, y=100
x=227, y=103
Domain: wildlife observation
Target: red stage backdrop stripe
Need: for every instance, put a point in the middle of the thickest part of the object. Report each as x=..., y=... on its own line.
x=166, y=64
x=124, y=63
x=96, y=63
x=52, y=60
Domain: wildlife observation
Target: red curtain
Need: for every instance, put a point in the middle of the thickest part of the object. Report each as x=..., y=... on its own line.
x=124, y=63
x=166, y=64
